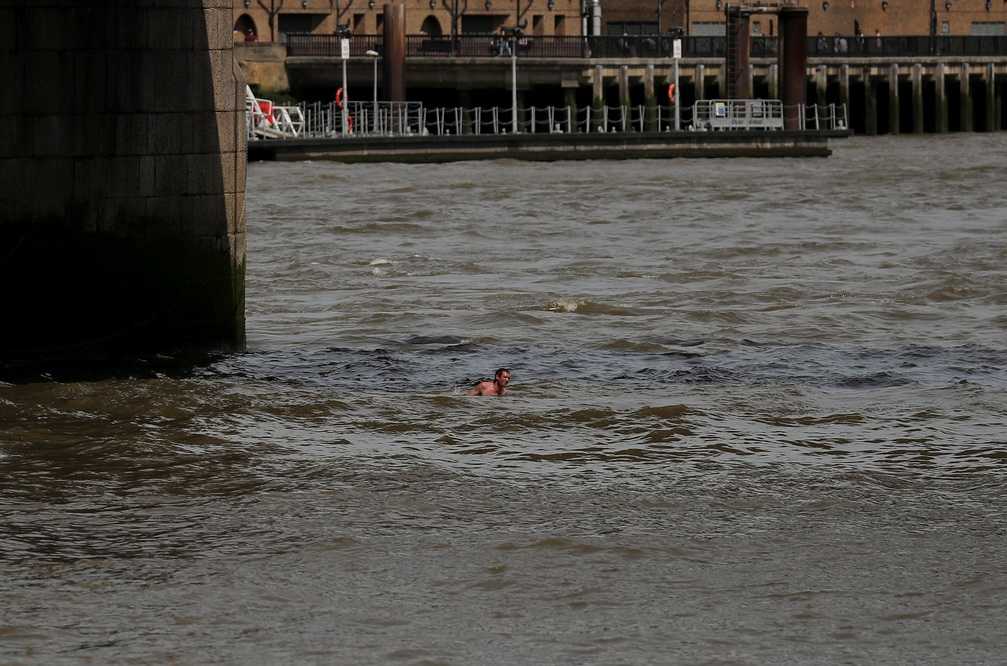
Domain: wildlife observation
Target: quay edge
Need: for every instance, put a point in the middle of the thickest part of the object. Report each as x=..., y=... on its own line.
x=551, y=147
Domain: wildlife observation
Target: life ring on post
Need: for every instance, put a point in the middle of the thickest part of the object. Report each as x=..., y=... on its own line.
x=672, y=94
x=339, y=103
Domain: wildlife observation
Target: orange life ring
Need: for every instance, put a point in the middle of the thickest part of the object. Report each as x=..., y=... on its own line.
x=339, y=102
x=672, y=96
x=267, y=113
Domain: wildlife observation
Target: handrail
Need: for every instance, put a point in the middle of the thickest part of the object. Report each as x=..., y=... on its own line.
x=837, y=47
x=324, y=119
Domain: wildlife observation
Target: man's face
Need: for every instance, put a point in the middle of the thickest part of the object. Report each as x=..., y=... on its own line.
x=503, y=379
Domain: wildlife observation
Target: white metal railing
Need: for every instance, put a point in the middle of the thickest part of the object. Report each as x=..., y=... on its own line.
x=325, y=120
x=824, y=116
x=739, y=114
x=267, y=120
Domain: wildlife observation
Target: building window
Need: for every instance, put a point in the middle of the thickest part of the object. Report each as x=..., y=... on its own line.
x=989, y=28
x=288, y=23
x=715, y=29
x=480, y=24
x=620, y=28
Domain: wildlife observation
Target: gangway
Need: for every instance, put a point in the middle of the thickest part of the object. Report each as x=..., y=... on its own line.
x=267, y=120
x=739, y=114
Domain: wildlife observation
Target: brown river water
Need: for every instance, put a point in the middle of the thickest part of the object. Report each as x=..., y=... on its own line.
x=758, y=415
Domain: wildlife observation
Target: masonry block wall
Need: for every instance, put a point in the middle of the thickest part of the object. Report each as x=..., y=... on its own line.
x=122, y=178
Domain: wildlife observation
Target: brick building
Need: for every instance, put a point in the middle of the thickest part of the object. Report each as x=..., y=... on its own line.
x=270, y=20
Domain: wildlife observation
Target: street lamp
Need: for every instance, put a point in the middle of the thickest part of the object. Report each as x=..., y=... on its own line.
x=513, y=79
x=344, y=33
x=374, y=123
x=515, y=34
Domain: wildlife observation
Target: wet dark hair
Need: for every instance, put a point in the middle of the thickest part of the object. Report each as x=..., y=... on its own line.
x=500, y=371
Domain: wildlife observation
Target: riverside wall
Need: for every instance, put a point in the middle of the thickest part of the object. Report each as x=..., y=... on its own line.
x=882, y=95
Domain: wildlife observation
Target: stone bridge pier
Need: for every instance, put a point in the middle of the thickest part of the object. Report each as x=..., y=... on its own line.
x=122, y=179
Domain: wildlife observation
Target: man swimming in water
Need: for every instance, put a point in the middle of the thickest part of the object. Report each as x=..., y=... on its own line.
x=496, y=387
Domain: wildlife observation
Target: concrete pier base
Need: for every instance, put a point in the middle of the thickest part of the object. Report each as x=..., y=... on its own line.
x=650, y=101
x=893, y=100
x=965, y=98
x=993, y=102
x=122, y=220
x=598, y=99
x=624, y=99
x=870, y=106
x=941, y=99
x=917, y=82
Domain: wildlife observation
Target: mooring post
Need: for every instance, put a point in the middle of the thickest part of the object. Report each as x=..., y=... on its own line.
x=393, y=61
x=738, y=49
x=793, y=63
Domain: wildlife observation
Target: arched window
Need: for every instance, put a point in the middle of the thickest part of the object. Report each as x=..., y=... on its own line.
x=431, y=27
x=242, y=26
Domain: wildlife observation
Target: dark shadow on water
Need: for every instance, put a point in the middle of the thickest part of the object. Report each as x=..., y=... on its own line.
x=94, y=369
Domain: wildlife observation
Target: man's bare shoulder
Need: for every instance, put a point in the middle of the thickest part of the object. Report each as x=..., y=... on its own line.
x=484, y=388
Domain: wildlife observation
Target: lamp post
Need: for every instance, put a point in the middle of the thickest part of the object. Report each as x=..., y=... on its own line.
x=344, y=33
x=515, y=34
x=374, y=123
x=513, y=83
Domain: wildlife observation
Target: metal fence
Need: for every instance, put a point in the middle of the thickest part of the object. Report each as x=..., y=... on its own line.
x=653, y=46
x=364, y=119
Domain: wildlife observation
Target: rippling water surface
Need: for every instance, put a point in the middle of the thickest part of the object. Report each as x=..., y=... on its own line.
x=757, y=415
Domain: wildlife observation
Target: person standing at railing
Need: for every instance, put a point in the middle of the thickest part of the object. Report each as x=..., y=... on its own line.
x=503, y=42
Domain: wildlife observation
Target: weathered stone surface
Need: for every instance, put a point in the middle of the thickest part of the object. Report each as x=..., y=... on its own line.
x=121, y=192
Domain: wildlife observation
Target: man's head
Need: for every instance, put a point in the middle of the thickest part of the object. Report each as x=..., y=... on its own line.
x=502, y=376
